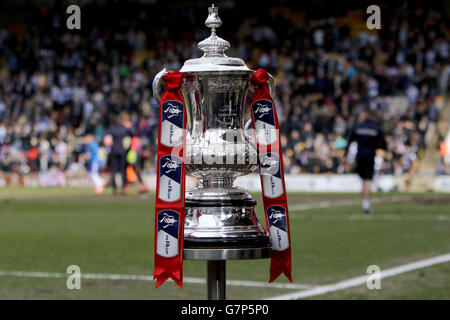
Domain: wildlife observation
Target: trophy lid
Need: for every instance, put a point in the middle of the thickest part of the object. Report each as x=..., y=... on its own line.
x=214, y=47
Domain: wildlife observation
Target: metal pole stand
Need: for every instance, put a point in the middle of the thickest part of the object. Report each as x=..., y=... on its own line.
x=216, y=265
x=216, y=283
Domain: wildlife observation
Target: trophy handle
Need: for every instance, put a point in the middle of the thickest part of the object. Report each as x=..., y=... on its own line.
x=247, y=124
x=250, y=138
x=272, y=87
x=156, y=82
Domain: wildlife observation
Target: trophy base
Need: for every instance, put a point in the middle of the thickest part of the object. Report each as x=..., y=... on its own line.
x=217, y=254
x=223, y=222
x=226, y=243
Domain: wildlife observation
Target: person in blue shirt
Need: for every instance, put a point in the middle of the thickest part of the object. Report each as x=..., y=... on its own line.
x=93, y=162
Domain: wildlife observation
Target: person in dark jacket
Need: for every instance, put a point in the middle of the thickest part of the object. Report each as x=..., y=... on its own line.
x=118, y=138
x=370, y=137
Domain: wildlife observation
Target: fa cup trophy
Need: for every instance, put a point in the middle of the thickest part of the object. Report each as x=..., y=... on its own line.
x=203, y=134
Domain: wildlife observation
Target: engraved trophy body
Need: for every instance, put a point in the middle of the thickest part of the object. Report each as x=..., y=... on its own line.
x=218, y=149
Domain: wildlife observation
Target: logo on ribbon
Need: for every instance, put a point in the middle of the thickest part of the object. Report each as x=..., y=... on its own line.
x=271, y=175
x=167, y=240
x=170, y=165
x=263, y=111
x=276, y=215
x=167, y=220
x=170, y=178
x=264, y=122
x=172, y=123
x=269, y=162
x=172, y=110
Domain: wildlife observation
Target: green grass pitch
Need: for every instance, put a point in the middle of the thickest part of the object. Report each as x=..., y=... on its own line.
x=46, y=230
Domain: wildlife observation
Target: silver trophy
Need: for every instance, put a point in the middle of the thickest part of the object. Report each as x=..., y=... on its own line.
x=219, y=148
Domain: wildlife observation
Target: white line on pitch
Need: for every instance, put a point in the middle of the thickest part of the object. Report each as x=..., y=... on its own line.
x=363, y=279
x=103, y=276
x=377, y=216
x=341, y=203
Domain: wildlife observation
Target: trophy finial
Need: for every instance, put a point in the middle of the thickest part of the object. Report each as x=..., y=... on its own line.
x=213, y=21
x=214, y=45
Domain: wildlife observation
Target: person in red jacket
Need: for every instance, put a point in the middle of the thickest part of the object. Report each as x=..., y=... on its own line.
x=132, y=161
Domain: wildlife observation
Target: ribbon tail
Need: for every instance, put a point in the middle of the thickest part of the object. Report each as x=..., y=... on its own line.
x=161, y=279
x=178, y=281
x=279, y=266
x=274, y=274
x=175, y=275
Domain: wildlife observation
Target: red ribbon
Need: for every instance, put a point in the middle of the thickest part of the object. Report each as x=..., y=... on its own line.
x=266, y=127
x=170, y=184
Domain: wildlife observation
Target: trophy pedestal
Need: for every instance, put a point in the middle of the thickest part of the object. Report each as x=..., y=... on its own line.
x=216, y=265
x=222, y=226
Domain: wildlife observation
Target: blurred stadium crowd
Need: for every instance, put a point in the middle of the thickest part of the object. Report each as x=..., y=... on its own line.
x=57, y=85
